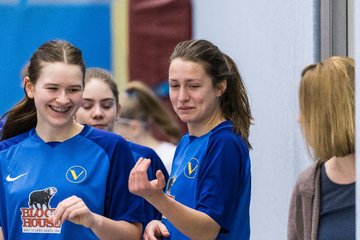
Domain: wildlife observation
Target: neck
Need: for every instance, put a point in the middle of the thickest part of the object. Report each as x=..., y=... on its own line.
x=341, y=170
x=202, y=128
x=59, y=134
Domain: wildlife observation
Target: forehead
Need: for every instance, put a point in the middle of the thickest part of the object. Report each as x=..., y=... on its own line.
x=58, y=73
x=97, y=89
x=187, y=71
x=186, y=65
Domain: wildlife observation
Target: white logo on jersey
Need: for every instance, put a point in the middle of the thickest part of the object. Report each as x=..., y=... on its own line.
x=11, y=179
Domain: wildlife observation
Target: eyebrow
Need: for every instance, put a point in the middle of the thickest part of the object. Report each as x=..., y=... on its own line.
x=107, y=100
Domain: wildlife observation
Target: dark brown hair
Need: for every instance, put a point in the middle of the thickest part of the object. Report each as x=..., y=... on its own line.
x=234, y=102
x=22, y=117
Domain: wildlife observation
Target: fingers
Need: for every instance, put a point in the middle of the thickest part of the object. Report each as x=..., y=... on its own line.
x=74, y=210
x=138, y=179
x=155, y=230
x=62, y=210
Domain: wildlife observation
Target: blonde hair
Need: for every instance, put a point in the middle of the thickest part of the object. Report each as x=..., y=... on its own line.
x=327, y=107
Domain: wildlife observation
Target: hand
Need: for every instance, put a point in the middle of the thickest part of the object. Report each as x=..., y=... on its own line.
x=75, y=210
x=155, y=230
x=139, y=183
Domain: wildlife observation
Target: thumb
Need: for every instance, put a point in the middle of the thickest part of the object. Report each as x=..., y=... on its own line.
x=160, y=179
x=163, y=230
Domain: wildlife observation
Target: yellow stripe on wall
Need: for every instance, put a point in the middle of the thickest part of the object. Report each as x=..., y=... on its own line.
x=120, y=42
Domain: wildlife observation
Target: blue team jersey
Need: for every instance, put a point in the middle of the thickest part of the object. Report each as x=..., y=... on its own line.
x=211, y=174
x=138, y=151
x=35, y=176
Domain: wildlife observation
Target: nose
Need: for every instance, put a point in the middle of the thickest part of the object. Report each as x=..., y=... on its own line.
x=183, y=94
x=97, y=112
x=62, y=98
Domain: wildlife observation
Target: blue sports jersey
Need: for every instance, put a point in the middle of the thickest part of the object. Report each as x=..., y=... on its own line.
x=211, y=174
x=35, y=176
x=150, y=212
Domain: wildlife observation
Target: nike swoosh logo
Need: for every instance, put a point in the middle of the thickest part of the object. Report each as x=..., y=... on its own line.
x=11, y=179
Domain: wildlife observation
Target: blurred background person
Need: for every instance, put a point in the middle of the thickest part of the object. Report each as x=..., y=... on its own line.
x=323, y=201
x=99, y=108
x=141, y=112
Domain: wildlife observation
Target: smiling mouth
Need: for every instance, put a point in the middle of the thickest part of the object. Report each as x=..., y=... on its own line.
x=60, y=109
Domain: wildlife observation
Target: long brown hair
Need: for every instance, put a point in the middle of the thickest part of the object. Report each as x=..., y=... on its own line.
x=234, y=102
x=22, y=117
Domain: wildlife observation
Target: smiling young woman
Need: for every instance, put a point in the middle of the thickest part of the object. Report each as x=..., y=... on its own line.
x=62, y=179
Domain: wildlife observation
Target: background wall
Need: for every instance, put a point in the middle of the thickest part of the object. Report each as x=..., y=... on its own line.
x=25, y=25
x=271, y=47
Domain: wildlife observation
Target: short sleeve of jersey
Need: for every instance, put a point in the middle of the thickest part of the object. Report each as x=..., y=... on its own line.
x=3, y=146
x=224, y=172
x=120, y=204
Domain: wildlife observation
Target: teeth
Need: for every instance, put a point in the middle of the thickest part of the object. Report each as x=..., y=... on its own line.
x=59, y=109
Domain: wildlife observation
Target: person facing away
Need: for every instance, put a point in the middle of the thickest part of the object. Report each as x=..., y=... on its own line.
x=208, y=192
x=141, y=110
x=323, y=201
x=61, y=179
x=100, y=108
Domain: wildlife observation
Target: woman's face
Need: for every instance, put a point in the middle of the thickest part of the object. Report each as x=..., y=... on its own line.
x=98, y=107
x=57, y=94
x=192, y=94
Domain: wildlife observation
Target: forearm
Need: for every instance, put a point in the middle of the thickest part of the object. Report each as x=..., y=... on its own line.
x=193, y=223
x=1, y=234
x=105, y=228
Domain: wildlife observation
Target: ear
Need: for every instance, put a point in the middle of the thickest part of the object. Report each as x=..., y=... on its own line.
x=29, y=87
x=221, y=88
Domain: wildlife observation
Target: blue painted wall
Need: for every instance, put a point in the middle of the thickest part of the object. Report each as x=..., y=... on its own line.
x=24, y=26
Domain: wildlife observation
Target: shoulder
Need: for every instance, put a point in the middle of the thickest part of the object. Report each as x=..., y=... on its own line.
x=6, y=144
x=102, y=137
x=306, y=180
x=223, y=136
x=142, y=150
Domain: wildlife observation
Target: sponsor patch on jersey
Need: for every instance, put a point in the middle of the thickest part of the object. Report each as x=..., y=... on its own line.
x=76, y=174
x=35, y=217
x=191, y=168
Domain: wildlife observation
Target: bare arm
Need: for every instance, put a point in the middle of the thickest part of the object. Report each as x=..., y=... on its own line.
x=105, y=228
x=76, y=211
x=1, y=234
x=193, y=223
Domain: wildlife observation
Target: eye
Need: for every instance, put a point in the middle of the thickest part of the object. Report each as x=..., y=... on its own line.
x=52, y=88
x=86, y=105
x=107, y=104
x=73, y=90
x=194, y=86
x=174, y=85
